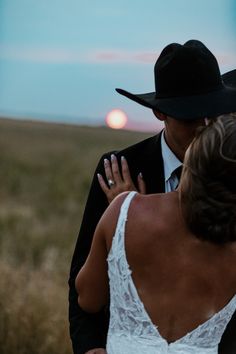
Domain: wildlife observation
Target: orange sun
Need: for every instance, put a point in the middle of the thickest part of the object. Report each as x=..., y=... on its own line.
x=116, y=119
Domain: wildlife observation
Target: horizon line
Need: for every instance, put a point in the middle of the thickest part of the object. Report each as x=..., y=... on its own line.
x=99, y=123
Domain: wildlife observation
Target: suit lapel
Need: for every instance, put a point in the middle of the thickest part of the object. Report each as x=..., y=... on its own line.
x=153, y=168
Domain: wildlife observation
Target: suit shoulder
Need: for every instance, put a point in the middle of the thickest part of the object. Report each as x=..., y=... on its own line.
x=141, y=146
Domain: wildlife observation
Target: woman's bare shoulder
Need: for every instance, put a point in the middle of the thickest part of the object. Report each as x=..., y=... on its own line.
x=155, y=202
x=110, y=217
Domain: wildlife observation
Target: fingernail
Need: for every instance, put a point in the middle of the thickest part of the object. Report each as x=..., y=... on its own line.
x=140, y=175
x=106, y=161
x=98, y=175
x=122, y=158
x=112, y=157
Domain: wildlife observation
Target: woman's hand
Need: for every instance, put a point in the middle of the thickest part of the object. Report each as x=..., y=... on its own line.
x=118, y=182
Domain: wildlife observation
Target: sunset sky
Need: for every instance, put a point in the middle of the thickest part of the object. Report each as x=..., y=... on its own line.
x=61, y=60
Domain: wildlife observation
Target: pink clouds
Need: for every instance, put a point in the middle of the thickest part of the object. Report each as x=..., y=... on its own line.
x=122, y=56
x=64, y=55
x=99, y=56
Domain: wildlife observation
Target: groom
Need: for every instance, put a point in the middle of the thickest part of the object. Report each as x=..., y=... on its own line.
x=188, y=88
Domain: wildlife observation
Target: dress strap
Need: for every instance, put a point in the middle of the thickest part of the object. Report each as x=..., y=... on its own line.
x=124, y=209
x=118, y=239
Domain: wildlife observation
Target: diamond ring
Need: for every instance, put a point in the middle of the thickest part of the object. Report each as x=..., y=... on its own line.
x=110, y=182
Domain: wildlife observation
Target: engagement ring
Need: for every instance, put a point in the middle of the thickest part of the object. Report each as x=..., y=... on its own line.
x=111, y=182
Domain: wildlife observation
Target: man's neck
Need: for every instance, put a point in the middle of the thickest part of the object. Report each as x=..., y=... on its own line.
x=178, y=150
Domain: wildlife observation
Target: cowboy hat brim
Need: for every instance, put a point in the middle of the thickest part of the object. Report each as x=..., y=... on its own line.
x=209, y=104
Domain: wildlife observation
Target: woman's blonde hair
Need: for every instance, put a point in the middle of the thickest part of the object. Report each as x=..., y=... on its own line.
x=208, y=182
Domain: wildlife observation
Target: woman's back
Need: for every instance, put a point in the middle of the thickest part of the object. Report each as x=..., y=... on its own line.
x=181, y=280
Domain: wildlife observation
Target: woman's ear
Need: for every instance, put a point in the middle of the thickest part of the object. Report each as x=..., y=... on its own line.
x=161, y=116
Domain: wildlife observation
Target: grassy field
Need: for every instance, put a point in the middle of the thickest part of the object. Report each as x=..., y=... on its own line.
x=45, y=173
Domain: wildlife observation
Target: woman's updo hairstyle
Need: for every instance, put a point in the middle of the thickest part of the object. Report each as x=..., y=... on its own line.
x=208, y=182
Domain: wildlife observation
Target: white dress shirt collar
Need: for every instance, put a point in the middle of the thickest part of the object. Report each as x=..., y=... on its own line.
x=171, y=162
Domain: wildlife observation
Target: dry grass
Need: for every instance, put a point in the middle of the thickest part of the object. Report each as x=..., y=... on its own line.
x=45, y=173
x=33, y=309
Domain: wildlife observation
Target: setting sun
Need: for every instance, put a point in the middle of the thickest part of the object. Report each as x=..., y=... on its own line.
x=116, y=119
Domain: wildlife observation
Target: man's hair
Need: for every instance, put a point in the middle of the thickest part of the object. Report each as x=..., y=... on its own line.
x=208, y=183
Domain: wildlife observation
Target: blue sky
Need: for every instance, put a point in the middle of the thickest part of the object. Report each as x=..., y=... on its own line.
x=62, y=59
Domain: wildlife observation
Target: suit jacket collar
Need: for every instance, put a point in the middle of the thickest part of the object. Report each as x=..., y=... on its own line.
x=153, y=172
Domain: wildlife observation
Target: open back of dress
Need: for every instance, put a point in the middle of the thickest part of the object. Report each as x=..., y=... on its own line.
x=131, y=330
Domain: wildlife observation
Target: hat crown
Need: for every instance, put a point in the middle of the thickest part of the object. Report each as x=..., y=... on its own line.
x=185, y=70
x=189, y=84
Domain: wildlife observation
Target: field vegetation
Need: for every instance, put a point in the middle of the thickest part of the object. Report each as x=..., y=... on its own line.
x=45, y=173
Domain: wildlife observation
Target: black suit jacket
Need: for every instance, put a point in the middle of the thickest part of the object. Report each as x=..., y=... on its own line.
x=89, y=331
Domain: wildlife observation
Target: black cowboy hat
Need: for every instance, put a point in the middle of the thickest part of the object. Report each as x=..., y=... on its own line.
x=188, y=84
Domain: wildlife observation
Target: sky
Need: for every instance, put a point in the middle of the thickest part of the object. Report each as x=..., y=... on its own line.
x=61, y=60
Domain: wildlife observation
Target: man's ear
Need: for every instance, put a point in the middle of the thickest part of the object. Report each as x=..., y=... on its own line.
x=161, y=116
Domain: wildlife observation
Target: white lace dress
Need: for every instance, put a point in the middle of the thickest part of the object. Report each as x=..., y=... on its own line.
x=131, y=330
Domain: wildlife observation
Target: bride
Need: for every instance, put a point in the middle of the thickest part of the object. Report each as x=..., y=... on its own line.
x=166, y=262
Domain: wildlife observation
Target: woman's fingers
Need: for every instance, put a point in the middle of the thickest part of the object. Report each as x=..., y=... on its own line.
x=103, y=184
x=108, y=171
x=141, y=184
x=110, y=192
x=116, y=182
x=125, y=172
x=115, y=169
x=112, y=185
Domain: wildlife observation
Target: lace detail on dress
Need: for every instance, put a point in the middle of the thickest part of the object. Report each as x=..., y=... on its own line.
x=131, y=329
